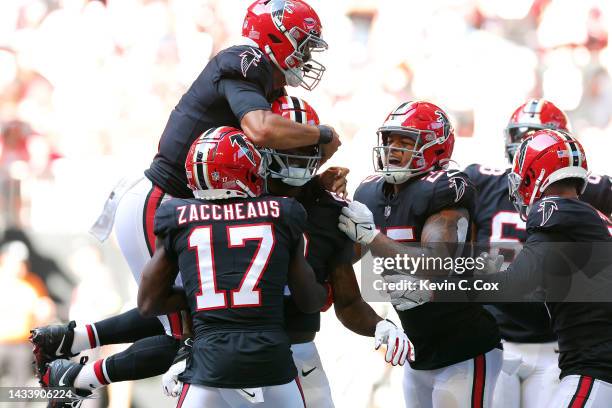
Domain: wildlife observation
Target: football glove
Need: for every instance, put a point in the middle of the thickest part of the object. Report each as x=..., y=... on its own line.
x=171, y=386
x=357, y=222
x=492, y=263
x=408, y=292
x=399, y=347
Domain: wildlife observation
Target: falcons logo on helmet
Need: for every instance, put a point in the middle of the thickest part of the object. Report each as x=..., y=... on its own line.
x=445, y=122
x=279, y=8
x=244, y=147
x=250, y=58
x=458, y=183
x=547, y=208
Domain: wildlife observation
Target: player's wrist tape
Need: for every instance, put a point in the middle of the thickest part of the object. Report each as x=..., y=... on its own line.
x=326, y=134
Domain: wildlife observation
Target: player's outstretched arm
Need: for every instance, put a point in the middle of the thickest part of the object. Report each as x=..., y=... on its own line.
x=156, y=293
x=359, y=317
x=267, y=129
x=352, y=311
x=309, y=295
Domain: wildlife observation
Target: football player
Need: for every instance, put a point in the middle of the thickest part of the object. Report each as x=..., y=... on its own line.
x=234, y=251
x=235, y=88
x=565, y=260
x=413, y=198
x=525, y=327
x=548, y=174
x=329, y=252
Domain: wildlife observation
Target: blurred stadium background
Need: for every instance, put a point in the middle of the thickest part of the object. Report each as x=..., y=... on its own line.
x=86, y=88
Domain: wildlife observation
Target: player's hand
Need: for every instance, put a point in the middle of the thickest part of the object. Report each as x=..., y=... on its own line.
x=399, y=347
x=171, y=386
x=357, y=222
x=334, y=179
x=492, y=264
x=328, y=149
x=408, y=293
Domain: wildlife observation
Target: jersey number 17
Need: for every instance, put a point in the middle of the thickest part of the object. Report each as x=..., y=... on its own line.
x=247, y=294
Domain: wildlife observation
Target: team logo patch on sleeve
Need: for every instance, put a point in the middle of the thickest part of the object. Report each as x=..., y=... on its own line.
x=547, y=208
x=458, y=183
x=250, y=58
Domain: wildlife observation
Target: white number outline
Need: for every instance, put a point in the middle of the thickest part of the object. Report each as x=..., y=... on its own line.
x=247, y=294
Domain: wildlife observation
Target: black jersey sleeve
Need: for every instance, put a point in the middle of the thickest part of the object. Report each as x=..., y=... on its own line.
x=343, y=244
x=598, y=193
x=294, y=218
x=473, y=173
x=526, y=275
x=451, y=190
x=244, y=78
x=242, y=96
x=164, y=226
x=246, y=63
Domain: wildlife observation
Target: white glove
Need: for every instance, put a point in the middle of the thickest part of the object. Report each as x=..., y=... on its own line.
x=170, y=384
x=492, y=263
x=398, y=346
x=408, y=292
x=357, y=222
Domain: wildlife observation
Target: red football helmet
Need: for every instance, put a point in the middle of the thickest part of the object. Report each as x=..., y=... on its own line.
x=296, y=166
x=533, y=115
x=544, y=157
x=223, y=163
x=434, y=137
x=288, y=31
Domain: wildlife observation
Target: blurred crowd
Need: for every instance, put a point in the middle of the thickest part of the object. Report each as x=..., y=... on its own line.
x=86, y=88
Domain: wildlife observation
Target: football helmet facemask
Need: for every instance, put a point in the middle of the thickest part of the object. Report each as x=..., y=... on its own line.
x=288, y=31
x=433, y=135
x=294, y=167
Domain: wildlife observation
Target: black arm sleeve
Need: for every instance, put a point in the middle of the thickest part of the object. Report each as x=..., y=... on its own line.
x=540, y=267
x=242, y=96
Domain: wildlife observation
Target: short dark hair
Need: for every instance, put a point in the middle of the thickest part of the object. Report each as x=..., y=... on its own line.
x=574, y=182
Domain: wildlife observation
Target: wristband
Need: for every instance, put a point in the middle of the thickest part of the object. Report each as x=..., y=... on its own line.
x=390, y=322
x=326, y=134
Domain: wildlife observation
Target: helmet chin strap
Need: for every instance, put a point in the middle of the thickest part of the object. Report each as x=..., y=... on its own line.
x=246, y=189
x=293, y=76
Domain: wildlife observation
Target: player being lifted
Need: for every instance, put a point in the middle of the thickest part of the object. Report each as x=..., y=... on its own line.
x=414, y=199
x=235, y=88
x=525, y=327
x=329, y=252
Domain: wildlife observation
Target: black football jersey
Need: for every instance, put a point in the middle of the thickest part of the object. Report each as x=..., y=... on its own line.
x=236, y=81
x=233, y=256
x=442, y=333
x=497, y=222
x=325, y=246
x=598, y=193
x=584, y=330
